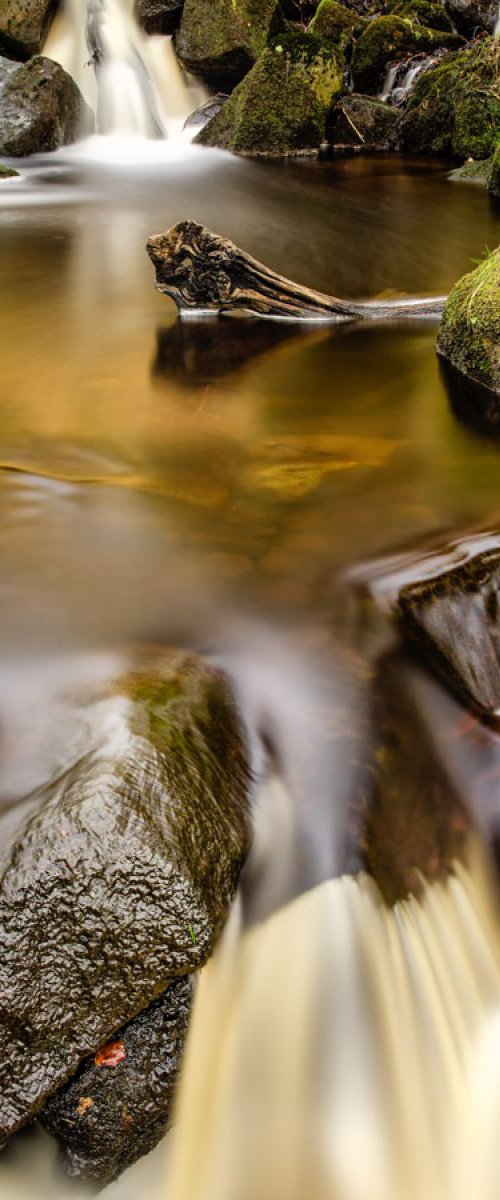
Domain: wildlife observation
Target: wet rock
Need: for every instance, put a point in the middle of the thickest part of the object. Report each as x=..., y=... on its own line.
x=454, y=109
x=281, y=107
x=159, y=16
x=389, y=39
x=471, y=17
x=417, y=823
x=23, y=25
x=469, y=334
x=334, y=22
x=119, y=1104
x=122, y=880
x=41, y=109
x=203, y=114
x=454, y=617
x=221, y=45
x=363, y=123
x=493, y=178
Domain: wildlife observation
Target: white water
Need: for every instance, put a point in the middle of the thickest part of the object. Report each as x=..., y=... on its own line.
x=137, y=89
x=399, y=80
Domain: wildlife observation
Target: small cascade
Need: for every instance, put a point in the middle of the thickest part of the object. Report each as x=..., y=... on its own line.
x=401, y=77
x=133, y=82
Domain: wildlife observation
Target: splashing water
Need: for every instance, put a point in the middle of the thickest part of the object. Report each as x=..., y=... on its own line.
x=133, y=82
x=346, y=1050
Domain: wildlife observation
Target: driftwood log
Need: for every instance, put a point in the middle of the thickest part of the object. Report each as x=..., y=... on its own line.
x=206, y=274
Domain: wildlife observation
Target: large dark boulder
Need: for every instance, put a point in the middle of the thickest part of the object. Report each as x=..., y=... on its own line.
x=122, y=880
x=220, y=44
x=388, y=39
x=41, y=108
x=159, y=16
x=469, y=341
x=119, y=1104
x=454, y=109
x=363, y=123
x=281, y=107
x=23, y=25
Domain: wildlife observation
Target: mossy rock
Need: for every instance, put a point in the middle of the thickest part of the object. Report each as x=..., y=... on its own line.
x=7, y=172
x=121, y=881
x=469, y=335
x=281, y=107
x=388, y=39
x=494, y=175
x=424, y=12
x=41, y=108
x=23, y=25
x=363, y=123
x=471, y=17
x=334, y=22
x=454, y=109
x=478, y=173
x=221, y=41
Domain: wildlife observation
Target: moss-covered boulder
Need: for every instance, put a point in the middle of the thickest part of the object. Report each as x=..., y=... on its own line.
x=493, y=179
x=159, y=16
x=334, y=22
x=478, y=173
x=23, y=25
x=469, y=335
x=7, y=172
x=122, y=879
x=41, y=108
x=363, y=123
x=454, y=109
x=281, y=107
x=388, y=39
x=222, y=40
x=424, y=12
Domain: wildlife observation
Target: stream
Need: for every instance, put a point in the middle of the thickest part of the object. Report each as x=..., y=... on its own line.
x=204, y=483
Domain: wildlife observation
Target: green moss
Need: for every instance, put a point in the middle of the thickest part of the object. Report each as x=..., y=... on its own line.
x=282, y=105
x=494, y=175
x=7, y=172
x=455, y=108
x=222, y=44
x=390, y=38
x=469, y=336
x=423, y=12
x=334, y=22
x=473, y=172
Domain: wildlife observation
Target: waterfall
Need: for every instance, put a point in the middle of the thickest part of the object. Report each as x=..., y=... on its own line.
x=133, y=82
x=401, y=76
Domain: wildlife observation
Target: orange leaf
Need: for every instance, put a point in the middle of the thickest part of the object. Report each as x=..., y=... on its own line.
x=110, y=1055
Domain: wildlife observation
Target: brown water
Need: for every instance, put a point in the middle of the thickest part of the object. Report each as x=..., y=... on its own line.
x=206, y=482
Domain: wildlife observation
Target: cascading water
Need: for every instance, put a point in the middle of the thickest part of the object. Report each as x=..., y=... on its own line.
x=401, y=77
x=133, y=82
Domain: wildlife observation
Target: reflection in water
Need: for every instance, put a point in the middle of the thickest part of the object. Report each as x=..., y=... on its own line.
x=219, y=495
x=472, y=402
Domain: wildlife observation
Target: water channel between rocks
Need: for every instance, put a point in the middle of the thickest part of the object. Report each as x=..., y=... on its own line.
x=175, y=481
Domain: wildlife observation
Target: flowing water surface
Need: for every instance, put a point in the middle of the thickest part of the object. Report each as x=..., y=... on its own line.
x=205, y=482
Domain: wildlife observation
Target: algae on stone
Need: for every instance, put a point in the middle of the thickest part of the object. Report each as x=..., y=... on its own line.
x=387, y=39
x=469, y=335
x=454, y=109
x=281, y=107
x=222, y=44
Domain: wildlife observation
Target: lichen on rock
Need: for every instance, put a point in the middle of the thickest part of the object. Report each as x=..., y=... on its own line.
x=281, y=107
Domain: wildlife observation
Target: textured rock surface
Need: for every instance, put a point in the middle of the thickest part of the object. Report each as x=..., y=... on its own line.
x=159, y=16
x=282, y=105
x=471, y=17
x=122, y=880
x=388, y=39
x=334, y=22
x=119, y=1104
x=23, y=24
x=363, y=122
x=41, y=109
x=455, y=108
x=222, y=45
x=455, y=620
x=469, y=335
